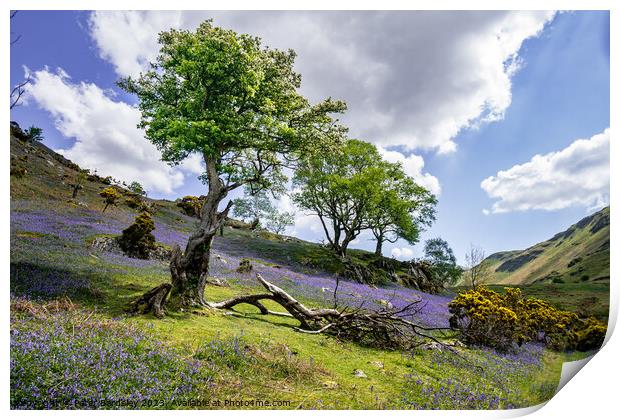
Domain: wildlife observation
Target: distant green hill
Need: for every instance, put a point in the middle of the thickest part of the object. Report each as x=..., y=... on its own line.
x=579, y=254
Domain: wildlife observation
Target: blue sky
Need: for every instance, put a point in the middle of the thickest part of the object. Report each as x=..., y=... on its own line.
x=420, y=92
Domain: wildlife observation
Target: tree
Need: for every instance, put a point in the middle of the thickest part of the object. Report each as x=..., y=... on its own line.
x=278, y=221
x=34, y=133
x=477, y=271
x=79, y=183
x=340, y=189
x=19, y=89
x=260, y=211
x=136, y=188
x=110, y=196
x=236, y=103
x=444, y=266
x=401, y=209
x=253, y=207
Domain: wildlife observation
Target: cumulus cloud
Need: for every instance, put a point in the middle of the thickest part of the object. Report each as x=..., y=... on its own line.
x=404, y=253
x=411, y=78
x=105, y=132
x=413, y=165
x=575, y=176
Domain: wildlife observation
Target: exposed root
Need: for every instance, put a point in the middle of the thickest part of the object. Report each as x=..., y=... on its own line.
x=154, y=300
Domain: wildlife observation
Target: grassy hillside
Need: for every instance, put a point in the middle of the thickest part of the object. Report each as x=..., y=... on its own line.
x=580, y=254
x=74, y=345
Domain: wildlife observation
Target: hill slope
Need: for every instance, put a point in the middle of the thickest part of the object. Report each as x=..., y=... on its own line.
x=219, y=355
x=578, y=254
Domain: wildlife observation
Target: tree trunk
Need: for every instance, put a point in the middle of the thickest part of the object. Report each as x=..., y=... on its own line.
x=75, y=191
x=189, y=270
x=379, y=247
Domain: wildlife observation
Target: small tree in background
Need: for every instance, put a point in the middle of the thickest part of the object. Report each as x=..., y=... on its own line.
x=110, y=196
x=78, y=184
x=477, y=272
x=401, y=209
x=340, y=188
x=257, y=208
x=34, y=133
x=444, y=266
x=279, y=221
x=136, y=188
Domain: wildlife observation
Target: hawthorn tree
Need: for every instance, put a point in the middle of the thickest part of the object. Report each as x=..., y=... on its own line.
x=260, y=211
x=236, y=103
x=340, y=188
x=401, y=209
x=444, y=266
x=136, y=188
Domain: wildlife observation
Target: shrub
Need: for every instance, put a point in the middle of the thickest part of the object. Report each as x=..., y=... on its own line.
x=500, y=321
x=191, y=205
x=589, y=334
x=481, y=318
x=110, y=195
x=245, y=266
x=137, y=240
x=17, y=170
x=134, y=202
x=34, y=133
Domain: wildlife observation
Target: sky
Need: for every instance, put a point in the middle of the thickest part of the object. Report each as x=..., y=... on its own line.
x=503, y=115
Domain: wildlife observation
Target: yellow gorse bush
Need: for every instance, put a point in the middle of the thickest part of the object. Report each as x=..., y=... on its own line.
x=485, y=317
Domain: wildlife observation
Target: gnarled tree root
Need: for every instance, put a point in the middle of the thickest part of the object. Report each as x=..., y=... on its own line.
x=154, y=300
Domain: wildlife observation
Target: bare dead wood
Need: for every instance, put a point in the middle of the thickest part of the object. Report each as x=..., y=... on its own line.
x=386, y=328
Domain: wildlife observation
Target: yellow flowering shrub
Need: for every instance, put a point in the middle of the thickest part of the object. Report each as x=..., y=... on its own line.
x=110, y=196
x=502, y=321
x=191, y=205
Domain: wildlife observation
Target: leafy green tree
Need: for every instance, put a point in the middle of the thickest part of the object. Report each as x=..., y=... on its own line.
x=34, y=133
x=444, y=266
x=136, y=188
x=236, y=103
x=254, y=207
x=258, y=208
x=401, y=209
x=340, y=188
x=277, y=222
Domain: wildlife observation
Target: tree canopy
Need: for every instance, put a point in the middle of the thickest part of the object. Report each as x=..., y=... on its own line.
x=355, y=190
x=226, y=97
x=401, y=209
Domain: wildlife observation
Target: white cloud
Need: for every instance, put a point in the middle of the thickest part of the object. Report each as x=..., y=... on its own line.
x=193, y=164
x=413, y=165
x=403, y=254
x=575, y=176
x=411, y=78
x=105, y=132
